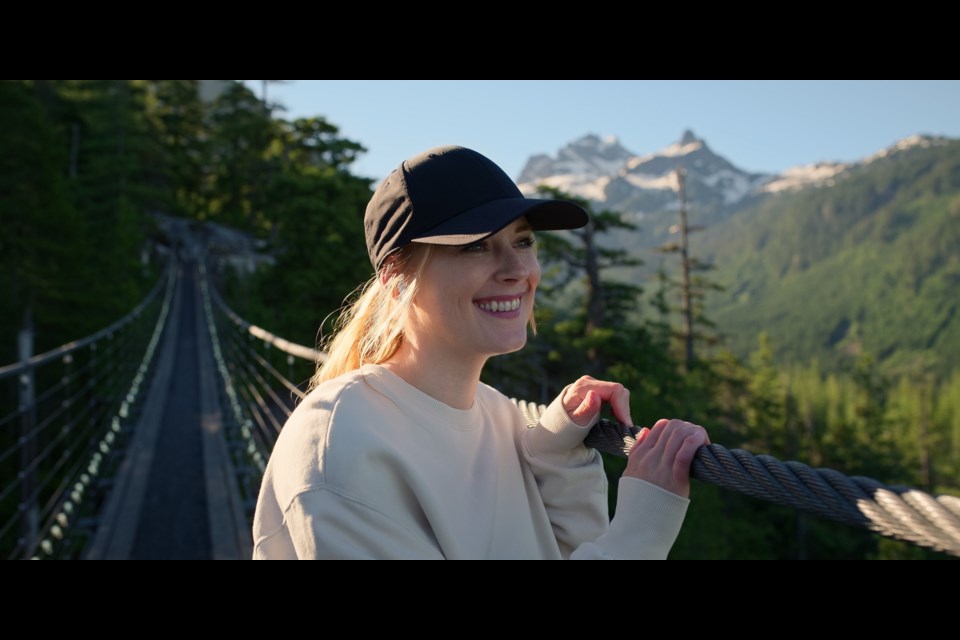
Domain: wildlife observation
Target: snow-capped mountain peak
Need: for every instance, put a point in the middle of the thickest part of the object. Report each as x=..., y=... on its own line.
x=687, y=145
x=588, y=157
x=804, y=176
x=824, y=173
x=601, y=170
x=909, y=142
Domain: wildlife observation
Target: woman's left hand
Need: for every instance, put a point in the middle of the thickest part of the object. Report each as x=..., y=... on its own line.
x=664, y=453
x=584, y=398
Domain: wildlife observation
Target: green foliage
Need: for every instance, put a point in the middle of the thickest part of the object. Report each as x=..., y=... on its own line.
x=74, y=188
x=34, y=253
x=290, y=183
x=850, y=422
x=721, y=525
x=866, y=265
x=317, y=211
x=177, y=119
x=242, y=160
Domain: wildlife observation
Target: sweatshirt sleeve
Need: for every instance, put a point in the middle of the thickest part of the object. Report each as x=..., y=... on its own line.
x=573, y=487
x=570, y=477
x=324, y=524
x=645, y=526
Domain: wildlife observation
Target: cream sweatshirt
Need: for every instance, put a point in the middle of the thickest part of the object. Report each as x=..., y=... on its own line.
x=368, y=466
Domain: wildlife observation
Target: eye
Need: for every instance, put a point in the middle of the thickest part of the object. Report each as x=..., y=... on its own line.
x=475, y=247
x=527, y=242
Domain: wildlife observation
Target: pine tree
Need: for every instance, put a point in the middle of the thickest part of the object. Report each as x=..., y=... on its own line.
x=606, y=302
x=317, y=215
x=242, y=160
x=947, y=419
x=177, y=119
x=766, y=410
x=43, y=243
x=112, y=185
x=696, y=329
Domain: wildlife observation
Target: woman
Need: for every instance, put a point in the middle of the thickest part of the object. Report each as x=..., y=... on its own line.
x=399, y=451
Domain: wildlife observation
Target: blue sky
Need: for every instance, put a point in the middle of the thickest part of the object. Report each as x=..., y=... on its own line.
x=758, y=125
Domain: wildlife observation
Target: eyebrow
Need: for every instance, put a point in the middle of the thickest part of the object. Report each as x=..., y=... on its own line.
x=523, y=227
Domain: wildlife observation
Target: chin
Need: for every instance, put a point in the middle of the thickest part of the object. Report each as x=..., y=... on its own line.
x=515, y=347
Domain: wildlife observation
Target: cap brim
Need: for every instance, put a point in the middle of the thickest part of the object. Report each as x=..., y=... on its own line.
x=491, y=217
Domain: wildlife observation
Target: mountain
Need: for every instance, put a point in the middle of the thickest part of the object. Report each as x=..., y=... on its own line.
x=604, y=172
x=583, y=167
x=832, y=260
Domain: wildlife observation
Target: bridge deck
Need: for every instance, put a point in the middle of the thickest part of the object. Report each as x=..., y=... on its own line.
x=175, y=496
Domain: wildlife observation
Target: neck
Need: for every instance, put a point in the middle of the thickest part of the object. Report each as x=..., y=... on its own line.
x=450, y=380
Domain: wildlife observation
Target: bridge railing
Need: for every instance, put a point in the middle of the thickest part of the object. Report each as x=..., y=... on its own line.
x=65, y=418
x=262, y=377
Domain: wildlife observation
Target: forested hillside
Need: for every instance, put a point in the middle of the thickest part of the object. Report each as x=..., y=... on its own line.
x=867, y=265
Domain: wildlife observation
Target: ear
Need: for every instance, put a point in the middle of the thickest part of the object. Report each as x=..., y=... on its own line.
x=390, y=272
x=387, y=271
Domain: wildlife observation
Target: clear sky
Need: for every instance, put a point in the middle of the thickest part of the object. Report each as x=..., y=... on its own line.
x=758, y=125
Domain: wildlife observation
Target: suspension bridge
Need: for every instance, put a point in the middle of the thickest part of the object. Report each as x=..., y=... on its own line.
x=148, y=439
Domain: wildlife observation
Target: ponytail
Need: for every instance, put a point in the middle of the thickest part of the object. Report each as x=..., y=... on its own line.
x=370, y=328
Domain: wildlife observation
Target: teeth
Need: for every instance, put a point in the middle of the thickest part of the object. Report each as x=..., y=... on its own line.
x=511, y=305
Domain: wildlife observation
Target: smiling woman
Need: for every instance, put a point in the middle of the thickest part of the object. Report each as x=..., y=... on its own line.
x=399, y=451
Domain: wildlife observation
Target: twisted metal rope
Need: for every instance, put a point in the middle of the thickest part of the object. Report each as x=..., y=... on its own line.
x=892, y=511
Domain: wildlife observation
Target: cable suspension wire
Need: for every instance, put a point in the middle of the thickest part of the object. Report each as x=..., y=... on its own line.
x=258, y=407
x=269, y=368
x=50, y=419
x=246, y=375
x=256, y=452
x=282, y=344
x=71, y=347
x=70, y=424
x=87, y=466
x=264, y=384
x=65, y=457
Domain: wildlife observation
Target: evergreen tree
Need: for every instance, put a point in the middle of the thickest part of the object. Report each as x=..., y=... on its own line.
x=43, y=240
x=582, y=261
x=317, y=209
x=692, y=286
x=177, y=119
x=947, y=419
x=112, y=185
x=766, y=411
x=243, y=153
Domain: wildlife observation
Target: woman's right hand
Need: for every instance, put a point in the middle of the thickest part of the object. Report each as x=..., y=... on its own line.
x=663, y=454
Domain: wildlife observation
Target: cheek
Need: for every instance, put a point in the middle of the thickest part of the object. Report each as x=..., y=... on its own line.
x=432, y=311
x=534, y=268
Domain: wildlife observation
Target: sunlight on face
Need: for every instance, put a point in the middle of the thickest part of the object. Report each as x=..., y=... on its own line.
x=475, y=300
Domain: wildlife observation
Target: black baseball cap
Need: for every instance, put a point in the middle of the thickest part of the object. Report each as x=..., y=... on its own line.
x=452, y=195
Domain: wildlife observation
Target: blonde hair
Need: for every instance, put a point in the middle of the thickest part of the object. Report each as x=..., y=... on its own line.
x=370, y=328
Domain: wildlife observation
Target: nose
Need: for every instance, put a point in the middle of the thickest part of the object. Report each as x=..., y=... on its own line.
x=515, y=266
